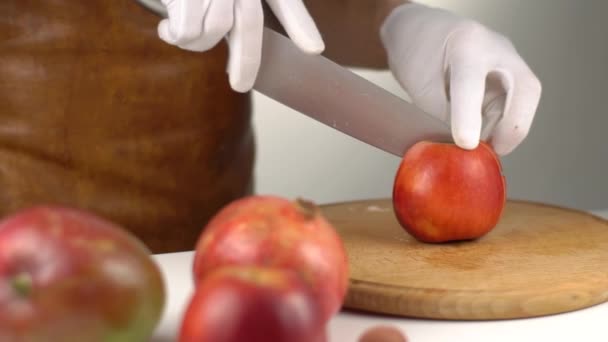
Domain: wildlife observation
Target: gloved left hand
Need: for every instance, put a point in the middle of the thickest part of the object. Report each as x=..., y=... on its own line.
x=461, y=71
x=199, y=25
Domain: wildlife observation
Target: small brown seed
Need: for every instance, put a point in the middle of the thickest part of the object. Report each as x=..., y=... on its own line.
x=381, y=333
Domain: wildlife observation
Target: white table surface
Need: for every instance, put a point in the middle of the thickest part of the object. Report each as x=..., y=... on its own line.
x=585, y=325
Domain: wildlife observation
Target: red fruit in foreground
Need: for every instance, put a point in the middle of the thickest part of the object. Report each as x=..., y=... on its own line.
x=66, y=275
x=275, y=232
x=445, y=193
x=253, y=304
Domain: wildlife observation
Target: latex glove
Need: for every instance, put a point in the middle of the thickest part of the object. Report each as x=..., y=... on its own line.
x=198, y=25
x=463, y=73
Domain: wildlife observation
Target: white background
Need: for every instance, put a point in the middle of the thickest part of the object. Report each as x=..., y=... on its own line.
x=563, y=161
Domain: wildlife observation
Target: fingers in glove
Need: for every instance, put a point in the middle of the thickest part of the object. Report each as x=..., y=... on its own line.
x=185, y=20
x=216, y=25
x=298, y=24
x=523, y=95
x=492, y=113
x=467, y=90
x=245, y=42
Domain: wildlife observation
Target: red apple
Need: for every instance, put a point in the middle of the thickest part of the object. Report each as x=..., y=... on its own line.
x=253, y=304
x=445, y=193
x=67, y=275
x=276, y=232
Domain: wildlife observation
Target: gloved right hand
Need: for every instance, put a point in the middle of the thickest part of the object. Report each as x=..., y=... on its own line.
x=198, y=25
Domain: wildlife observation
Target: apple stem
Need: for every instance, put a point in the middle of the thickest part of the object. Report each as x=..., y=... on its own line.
x=307, y=208
x=22, y=284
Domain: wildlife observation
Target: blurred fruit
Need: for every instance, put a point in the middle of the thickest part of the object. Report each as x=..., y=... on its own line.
x=275, y=232
x=68, y=275
x=253, y=304
x=382, y=333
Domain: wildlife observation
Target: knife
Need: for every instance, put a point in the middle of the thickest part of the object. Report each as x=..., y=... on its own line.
x=331, y=94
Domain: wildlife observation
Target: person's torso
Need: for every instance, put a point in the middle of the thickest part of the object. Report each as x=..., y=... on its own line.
x=97, y=112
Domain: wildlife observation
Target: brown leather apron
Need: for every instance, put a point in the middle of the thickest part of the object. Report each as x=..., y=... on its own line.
x=98, y=113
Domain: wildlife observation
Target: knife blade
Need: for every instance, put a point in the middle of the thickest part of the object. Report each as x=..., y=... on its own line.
x=325, y=91
x=329, y=93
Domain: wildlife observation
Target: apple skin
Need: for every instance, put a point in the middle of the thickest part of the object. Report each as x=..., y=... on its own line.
x=445, y=193
x=68, y=275
x=254, y=304
x=271, y=231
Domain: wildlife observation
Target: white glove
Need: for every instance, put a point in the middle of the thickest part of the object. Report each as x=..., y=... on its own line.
x=198, y=25
x=460, y=71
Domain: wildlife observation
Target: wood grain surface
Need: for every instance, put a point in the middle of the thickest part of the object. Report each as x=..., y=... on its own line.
x=539, y=260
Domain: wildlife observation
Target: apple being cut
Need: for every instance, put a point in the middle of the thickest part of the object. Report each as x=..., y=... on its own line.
x=444, y=193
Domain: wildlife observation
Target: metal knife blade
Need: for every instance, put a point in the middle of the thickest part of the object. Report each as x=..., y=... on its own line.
x=325, y=91
x=331, y=94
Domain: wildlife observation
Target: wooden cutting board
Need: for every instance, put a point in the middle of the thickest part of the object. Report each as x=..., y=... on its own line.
x=539, y=260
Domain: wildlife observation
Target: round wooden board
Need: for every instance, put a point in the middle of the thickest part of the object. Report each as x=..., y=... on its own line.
x=539, y=260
